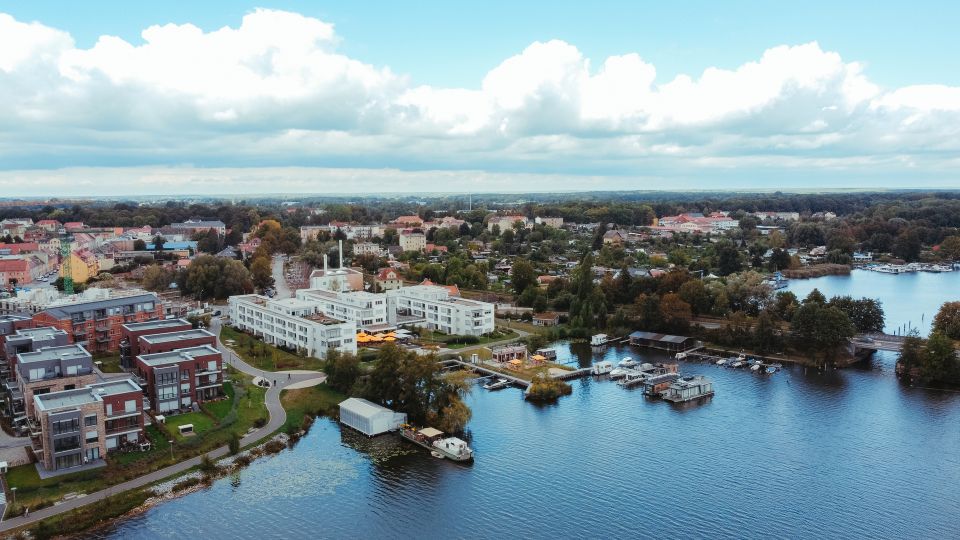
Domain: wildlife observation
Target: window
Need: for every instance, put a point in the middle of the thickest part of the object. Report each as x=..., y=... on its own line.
x=212, y=365
x=64, y=462
x=66, y=443
x=90, y=420
x=92, y=437
x=109, y=409
x=65, y=426
x=130, y=406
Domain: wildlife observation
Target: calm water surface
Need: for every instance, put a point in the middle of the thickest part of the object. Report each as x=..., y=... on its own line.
x=849, y=453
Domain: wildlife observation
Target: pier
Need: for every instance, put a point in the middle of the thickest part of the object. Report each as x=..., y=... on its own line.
x=878, y=342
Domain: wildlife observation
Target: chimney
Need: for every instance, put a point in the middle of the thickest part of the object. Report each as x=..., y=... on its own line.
x=340, y=242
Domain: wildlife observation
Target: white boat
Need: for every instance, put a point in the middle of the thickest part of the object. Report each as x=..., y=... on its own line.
x=598, y=340
x=627, y=363
x=603, y=367
x=680, y=355
x=722, y=362
x=433, y=440
x=616, y=373
x=755, y=367
x=737, y=364
x=497, y=384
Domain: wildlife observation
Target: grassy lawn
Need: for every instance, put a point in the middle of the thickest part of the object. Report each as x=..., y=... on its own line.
x=523, y=325
x=529, y=372
x=320, y=399
x=201, y=424
x=212, y=432
x=110, y=363
x=219, y=409
x=264, y=356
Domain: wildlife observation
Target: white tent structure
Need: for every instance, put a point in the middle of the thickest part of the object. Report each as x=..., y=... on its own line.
x=369, y=418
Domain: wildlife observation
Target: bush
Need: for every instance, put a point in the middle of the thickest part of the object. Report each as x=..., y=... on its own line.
x=544, y=389
x=242, y=461
x=207, y=465
x=259, y=422
x=186, y=483
x=273, y=447
x=234, y=444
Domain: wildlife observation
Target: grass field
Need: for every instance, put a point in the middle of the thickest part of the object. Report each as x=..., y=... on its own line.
x=320, y=399
x=202, y=423
x=264, y=356
x=219, y=409
x=110, y=363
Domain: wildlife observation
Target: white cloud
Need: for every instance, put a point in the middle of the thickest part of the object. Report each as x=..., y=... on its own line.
x=275, y=91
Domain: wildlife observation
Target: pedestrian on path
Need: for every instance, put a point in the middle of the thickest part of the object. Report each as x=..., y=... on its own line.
x=288, y=376
x=274, y=382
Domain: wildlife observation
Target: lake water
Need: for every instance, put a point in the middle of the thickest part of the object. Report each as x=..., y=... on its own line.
x=849, y=453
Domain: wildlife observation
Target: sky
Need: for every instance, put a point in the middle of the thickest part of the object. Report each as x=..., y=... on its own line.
x=216, y=97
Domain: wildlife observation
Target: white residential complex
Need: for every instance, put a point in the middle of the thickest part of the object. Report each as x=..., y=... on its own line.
x=367, y=310
x=293, y=323
x=432, y=307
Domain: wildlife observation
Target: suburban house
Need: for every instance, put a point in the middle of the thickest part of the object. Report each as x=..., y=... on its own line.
x=292, y=323
x=547, y=318
x=367, y=248
x=388, y=279
x=97, y=324
x=408, y=221
x=614, y=238
x=555, y=222
x=14, y=271
x=178, y=378
x=506, y=222
x=192, y=226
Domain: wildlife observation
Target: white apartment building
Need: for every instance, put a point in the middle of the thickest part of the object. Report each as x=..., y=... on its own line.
x=293, y=323
x=367, y=248
x=367, y=310
x=432, y=307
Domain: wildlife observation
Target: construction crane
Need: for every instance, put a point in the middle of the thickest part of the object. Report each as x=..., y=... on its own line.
x=65, y=273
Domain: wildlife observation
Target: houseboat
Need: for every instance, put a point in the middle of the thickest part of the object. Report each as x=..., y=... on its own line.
x=627, y=363
x=432, y=439
x=688, y=388
x=603, y=367
x=548, y=353
x=598, y=340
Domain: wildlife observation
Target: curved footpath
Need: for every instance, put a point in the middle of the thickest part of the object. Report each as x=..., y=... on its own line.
x=284, y=379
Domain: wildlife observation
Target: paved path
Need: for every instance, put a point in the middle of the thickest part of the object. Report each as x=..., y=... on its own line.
x=277, y=418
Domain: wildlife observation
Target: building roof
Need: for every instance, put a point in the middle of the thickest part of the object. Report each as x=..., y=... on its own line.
x=74, y=350
x=65, y=311
x=363, y=407
x=198, y=224
x=384, y=274
x=41, y=332
x=658, y=337
x=115, y=386
x=176, y=355
x=65, y=398
x=158, y=324
x=166, y=337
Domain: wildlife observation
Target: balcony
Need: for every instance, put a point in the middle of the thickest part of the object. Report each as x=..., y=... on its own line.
x=103, y=328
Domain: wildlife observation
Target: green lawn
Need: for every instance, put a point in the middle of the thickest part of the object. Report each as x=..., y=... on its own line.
x=220, y=409
x=449, y=341
x=264, y=356
x=158, y=446
x=320, y=399
x=110, y=363
x=201, y=424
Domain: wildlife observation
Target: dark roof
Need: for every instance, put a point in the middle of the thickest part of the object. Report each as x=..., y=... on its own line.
x=658, y=337
x=63, y=312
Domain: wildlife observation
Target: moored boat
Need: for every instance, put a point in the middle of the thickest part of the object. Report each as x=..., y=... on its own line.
x=627, y=363
x=432, y=439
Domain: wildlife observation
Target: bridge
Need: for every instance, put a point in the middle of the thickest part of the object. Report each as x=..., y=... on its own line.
x=877, y=341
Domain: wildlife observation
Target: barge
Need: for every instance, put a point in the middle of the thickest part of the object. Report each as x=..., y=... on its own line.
x=688, y=389
x=432, y=439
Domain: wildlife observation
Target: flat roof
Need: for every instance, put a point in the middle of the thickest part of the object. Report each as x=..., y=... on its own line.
x=115, y=386
x=363, y=407
x=65, y=398
x=40, y=332
x=659, y=337
x=157, y=324
x=176, y=355
x=73, y=350
x=180, y=335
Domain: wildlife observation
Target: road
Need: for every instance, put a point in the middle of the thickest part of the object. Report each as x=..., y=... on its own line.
x=277, y=418
x=280, y=280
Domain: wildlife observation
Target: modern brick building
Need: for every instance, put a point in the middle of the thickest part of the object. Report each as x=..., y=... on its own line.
x=29, y=340
x=51, y=369
x=130, y=336
x=177, y=379
x=97, y=325
x=171, y=341
x=74, y=427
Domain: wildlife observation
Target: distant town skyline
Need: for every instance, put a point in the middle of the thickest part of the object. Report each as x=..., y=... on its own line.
x=106, y=98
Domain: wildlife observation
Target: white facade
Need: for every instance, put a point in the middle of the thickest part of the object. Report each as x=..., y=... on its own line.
x=369, y=418
x=366, y=310
x=292, y=323
x=432, y=307
x=367, y=248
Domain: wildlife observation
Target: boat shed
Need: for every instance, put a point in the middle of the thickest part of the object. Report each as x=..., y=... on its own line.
x=369, y=418
x=664, y=342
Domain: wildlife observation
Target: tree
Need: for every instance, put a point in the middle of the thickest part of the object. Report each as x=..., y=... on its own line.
x=779, y=260
x=911, y=352
x=820, y=328
x=950, y=247
x=938, y=358
x=907, y=245
x=947, y=320
x=728, y=258
x=342, y=371
x=815, y=297
x=261, y=272
x=675, y=312
x=588, y=308
x=765, y=334
x=784, y=305
x=695, y=294
x=522, y=275
x=158, y=242
x=139, y=245
x=866, y=314
x=216, y=277
x=157, y=278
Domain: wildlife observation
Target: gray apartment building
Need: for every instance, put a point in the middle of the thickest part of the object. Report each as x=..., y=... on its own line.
x=51, y=369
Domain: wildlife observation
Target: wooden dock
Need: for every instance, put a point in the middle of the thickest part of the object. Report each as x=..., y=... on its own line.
x=476, y=368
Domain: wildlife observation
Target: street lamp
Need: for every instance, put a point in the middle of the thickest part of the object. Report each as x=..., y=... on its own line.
x=171, y=449
x=14, y=491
